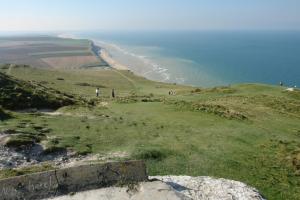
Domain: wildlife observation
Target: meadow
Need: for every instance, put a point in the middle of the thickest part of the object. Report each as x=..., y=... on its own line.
x=245, y=132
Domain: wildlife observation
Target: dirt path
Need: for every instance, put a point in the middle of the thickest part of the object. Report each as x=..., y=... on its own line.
x=133, y=83
x=9, y=69
x=3, y=139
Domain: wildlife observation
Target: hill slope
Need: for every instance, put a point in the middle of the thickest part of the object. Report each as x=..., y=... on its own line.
x=18, y=94
x=246, y=132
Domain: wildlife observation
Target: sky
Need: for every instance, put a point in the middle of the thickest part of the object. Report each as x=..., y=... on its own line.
x=60, y=15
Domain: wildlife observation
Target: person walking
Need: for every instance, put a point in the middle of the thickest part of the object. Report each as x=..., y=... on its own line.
x=281, y=83
x=113, y=93
x=97, y=92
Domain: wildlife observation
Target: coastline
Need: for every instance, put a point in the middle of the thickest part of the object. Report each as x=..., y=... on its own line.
x=139, y=64
x=144, y=66
x=99, y=51
x=119, y=58
x=104, y=54
x=152, y=72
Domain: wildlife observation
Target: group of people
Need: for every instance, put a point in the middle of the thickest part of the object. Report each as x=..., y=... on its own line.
x=112, y=93
x=171, y=92
x=281, y=84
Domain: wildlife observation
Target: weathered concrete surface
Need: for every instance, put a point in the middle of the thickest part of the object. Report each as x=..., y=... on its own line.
x=174, y=187
x=208, y=188
x=143, y=191
x=75, y=179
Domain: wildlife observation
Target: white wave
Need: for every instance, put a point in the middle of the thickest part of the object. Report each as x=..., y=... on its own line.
x=180, y=80
x=67, y=36
x=155, y=67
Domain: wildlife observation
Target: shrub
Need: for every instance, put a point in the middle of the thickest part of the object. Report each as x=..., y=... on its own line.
x=151, y=154
x=54, y=150
x=3, y=115
x=219, y=110
x=84, y=151
x=197, y=90
x=17, y=141
x=90, y=85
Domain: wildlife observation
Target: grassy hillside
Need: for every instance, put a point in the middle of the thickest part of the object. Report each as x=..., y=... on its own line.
x=17, y=94
x=247, y=132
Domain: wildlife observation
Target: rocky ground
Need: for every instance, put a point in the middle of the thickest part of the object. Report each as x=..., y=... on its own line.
x=208, y=188
x=18, y=158
x=30, y=155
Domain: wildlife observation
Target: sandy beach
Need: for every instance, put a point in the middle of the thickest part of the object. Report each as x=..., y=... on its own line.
x=122, y=59
x=104, y=54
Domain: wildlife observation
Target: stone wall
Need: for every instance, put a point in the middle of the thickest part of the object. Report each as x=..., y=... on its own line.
x=74, y=179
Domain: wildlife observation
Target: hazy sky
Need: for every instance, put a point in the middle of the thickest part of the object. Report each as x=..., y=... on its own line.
x=58, y=15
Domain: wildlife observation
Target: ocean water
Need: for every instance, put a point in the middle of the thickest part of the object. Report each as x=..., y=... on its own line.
x=207, y=58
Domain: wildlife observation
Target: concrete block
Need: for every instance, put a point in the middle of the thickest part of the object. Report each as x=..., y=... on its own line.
x=75, y=179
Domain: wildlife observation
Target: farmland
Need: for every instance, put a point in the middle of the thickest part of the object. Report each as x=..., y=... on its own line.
x=45, y=51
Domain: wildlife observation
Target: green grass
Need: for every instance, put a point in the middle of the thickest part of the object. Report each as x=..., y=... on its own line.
x=20, y=140
x=49, y=54
x=26, y=170
x=247, y=132
x=17, y=94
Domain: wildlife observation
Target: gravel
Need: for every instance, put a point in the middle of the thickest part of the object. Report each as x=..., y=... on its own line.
x=208, y=188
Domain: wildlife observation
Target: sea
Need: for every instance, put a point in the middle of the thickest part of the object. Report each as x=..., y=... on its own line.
x=206, y=58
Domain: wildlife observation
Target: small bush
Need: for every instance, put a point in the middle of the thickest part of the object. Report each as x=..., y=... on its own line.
x=84, y=152
x=126, y=100
x=54, y=141
x=3, y=115
x=151, y=154
x=9, y=131
x=219, y=110
x=90, y=85
x=224, y=90
x=54, y=150
x=197, y=90
x=17, y=141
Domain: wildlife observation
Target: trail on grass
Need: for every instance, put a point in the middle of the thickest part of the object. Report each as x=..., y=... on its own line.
x=127, y=78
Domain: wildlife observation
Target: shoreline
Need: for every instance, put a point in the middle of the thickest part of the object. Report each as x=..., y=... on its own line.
x=104, y=55
x=153, y=72
x=157, y=73
x=100, y=52
x=144, y=66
